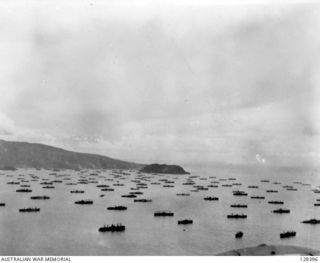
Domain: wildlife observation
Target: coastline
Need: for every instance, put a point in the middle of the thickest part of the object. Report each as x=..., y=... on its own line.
x=271, y=250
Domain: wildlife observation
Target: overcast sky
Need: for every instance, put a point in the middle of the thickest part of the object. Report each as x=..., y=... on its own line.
x=178, y=83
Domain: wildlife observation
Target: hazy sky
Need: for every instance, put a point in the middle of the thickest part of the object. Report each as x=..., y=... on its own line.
x=175, y=83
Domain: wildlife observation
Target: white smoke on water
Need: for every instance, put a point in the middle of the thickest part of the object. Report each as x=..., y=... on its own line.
x=260, y=159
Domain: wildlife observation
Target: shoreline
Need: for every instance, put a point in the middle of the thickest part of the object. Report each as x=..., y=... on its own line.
x=271, y=250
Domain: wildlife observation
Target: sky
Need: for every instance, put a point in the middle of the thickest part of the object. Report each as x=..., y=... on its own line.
x=187, y=82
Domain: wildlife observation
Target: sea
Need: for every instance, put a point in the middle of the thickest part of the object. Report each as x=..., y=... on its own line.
x=65, y=228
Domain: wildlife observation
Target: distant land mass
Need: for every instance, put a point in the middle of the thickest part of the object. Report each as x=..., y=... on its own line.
x=163, y=169
x=34, y=155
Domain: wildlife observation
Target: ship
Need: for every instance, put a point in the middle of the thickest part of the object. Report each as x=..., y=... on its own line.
x=276, y=202
x=142, y=200
x=185, y=222
x=112, y=228
x=84, y=202
x=281, y=211
x=40, y=197
x=30, y=209
x=288, y=234
x=23, y=190
x=257, y=197
x=239, y=206
x=163, y=213
x=211, y=198
x=237, y=216
x=129, y=196
x=239, y=193
x=107, y=189
x=312, y=221
x=120, y=208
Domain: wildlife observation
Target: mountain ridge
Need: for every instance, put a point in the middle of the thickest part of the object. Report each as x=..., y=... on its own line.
x=36, y=155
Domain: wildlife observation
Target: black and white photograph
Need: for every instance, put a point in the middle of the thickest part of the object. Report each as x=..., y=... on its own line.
x=159, y=128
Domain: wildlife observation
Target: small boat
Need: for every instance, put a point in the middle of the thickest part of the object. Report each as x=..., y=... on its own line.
x=316, y=204
x=168, y=186
x=120, y=208
x=112, y=228
x=239, y=234
x=185, y=222
x=288, y=234
x=239, y=206
x=142, y=200
x=30, y=209
x=48, y=187
x=292, y=189
x=264, y=181
x=237, y=216
x=211, y=198
x=281, y=211
x=84, y=202
x=312, y=221
x=2, y=204
x=276, y=202
x=40, y=197
x=163, y=213
x=77, y=192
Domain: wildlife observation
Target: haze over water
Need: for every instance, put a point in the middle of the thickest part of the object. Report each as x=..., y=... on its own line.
x=64, y=228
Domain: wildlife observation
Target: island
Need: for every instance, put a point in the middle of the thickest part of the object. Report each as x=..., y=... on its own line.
x=163, y=169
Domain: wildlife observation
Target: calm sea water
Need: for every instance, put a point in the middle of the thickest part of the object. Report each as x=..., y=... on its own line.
x=64, y=228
